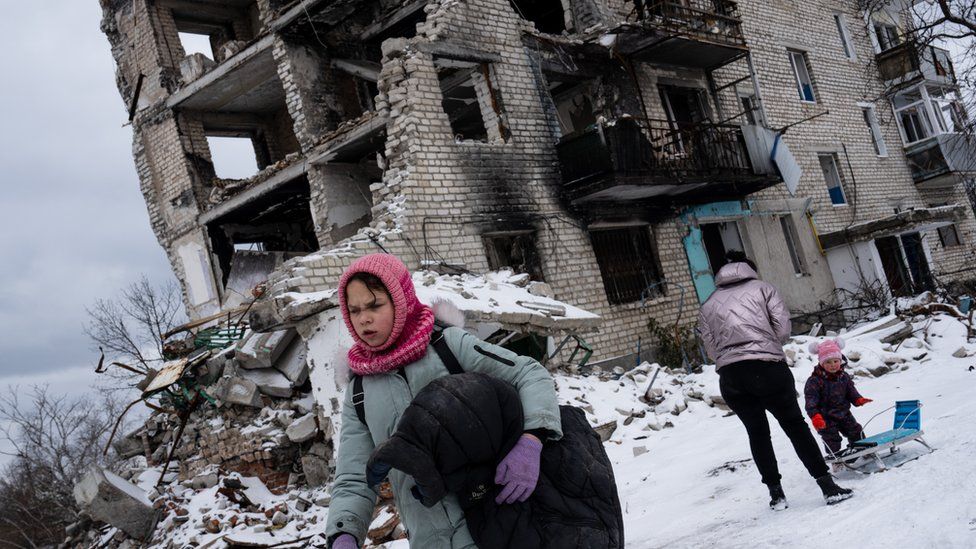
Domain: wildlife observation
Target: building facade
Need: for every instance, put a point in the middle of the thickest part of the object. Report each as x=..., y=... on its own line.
x=614, y=150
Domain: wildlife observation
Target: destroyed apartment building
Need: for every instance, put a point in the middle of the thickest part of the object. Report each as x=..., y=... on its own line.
x=560, y=171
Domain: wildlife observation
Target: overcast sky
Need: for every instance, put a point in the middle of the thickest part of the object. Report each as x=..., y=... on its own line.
x=73, y=224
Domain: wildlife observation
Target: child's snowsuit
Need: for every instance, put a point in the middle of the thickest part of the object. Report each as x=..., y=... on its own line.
x=831, y=396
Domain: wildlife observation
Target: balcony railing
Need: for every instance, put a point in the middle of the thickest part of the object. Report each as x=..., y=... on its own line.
x=646, y=153
x=910, y=60
x=711, y=20
x=939, y=160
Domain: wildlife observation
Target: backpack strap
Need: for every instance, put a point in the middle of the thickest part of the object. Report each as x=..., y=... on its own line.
x=444, y=352
x=359, y=398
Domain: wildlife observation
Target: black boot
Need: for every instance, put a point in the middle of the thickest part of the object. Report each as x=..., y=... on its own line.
x=831, y=492
x=777, y=499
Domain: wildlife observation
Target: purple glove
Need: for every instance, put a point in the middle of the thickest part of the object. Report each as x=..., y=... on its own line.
x=519, y=471
x=345, y=541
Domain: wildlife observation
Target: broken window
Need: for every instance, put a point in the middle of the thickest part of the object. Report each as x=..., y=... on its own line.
x=517, y=251
x=548, y=16
x=628, y=263
x=574, y=106
x=233, y=157
x=217, y=30
x=471, y=101
x=835, y=184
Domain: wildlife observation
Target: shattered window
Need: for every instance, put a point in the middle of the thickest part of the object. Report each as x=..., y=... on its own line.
x=517, y=251
x=471, y=101
x=628, y=263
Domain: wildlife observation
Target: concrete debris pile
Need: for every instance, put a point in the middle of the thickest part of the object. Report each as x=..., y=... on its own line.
x=253, y=457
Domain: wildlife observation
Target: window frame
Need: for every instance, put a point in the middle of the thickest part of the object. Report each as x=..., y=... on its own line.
x=870, y=115
x=793, y=54
x=845, y=37
x=792, y=238
x=840, y=178
x=651, y=273
x=945, y=231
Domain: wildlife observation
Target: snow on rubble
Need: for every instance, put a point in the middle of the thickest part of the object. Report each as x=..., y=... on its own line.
x=681, y=459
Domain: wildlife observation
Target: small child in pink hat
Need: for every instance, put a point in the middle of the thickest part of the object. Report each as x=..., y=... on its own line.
x=829, y=393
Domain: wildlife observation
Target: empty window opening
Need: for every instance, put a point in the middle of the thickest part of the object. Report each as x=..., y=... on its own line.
x=516, y=251
x=196, y=43
x=801, y=72
x=874, y=130
x=471, y=101
x=833, y=178
x=628, y=263
x=793, y=244
x=574, y=107
x=548, y=16
x=845, y=36
x=233, y=157
x=719, y=239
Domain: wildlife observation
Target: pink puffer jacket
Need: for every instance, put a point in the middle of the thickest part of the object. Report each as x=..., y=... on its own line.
x=745, y=319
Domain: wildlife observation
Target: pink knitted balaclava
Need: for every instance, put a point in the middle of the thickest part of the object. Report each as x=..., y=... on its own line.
x=413, y=321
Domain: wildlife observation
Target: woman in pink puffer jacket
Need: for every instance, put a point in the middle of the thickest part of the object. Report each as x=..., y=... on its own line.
x=744, y=325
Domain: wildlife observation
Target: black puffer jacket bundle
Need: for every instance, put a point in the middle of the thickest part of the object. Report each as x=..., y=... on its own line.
x=451, y=438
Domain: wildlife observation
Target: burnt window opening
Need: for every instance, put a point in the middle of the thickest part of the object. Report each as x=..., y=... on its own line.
x=548, y=16
x=518, y=251
x=628, y=263
x=279, y=222
x=574, y=103
x=471, y=101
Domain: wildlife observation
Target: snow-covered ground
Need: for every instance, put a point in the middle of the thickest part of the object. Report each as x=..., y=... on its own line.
x=683, y=467
x=696, y=486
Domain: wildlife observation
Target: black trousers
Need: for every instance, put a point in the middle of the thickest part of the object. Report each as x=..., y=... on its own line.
x=753, y=387
x=845, y=424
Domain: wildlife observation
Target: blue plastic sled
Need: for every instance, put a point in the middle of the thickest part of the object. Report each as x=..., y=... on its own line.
x=907, y=427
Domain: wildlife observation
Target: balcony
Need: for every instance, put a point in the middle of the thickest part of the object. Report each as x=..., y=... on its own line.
x=702, y=34
x=941, y=160
x=910, y=61
x=634, y=160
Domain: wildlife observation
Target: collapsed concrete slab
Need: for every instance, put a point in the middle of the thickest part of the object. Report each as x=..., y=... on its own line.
x=292, y=363
x=109, y=498
x=269, y=381
x=302, y=429
x=263, y=350
x=236, y=390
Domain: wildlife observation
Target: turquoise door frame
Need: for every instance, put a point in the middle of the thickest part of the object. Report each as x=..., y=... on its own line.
x=698, y=264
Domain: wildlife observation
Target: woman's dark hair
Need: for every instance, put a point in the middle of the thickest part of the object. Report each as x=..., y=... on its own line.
x=738, y=256
x=372, y=282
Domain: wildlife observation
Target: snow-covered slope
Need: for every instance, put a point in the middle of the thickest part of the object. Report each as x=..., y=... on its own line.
x=696, y=486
